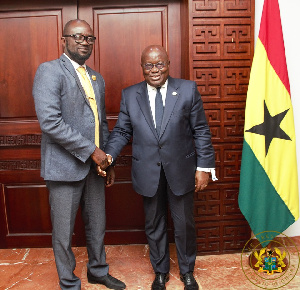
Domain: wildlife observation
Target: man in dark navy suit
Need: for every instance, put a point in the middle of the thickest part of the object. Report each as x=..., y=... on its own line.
x=172, y=156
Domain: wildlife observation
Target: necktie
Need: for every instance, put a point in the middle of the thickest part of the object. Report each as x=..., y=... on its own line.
x=159, y=110
x=91, y=96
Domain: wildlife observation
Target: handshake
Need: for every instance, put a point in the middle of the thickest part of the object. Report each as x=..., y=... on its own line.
x=102, y=160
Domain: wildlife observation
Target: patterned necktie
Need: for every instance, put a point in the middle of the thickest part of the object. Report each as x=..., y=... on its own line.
x=91, y=96
x=159, y=110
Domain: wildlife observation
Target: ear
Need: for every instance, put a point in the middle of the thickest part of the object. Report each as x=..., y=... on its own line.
x=63, y=42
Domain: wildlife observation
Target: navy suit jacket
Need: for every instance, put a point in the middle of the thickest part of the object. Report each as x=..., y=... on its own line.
x=67, y=120
x=184, y=142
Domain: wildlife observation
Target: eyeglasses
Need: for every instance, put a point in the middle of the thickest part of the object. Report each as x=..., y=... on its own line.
x=79, y=38
x=149, y=66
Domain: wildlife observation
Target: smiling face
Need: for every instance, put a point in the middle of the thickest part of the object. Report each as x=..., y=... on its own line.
x=152, y=55
x=79, y=52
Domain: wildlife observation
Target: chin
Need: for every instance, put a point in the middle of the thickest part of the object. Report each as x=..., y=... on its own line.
x=156, y=83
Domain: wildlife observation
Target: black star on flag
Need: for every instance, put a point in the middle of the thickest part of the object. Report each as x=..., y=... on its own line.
x=270, y=128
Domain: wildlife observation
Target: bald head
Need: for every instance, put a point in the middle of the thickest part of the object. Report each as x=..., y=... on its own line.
x=155, y=64
x=155, y=49
x=73, y=23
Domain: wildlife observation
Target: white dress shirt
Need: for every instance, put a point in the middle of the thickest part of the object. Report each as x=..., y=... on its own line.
x=76, y=66
x=152, y=95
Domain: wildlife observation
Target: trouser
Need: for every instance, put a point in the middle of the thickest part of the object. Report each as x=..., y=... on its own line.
x=65, y=198
x=156, y=212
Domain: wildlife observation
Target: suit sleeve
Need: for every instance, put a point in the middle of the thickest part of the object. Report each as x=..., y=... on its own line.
x=104, y=124
x=121, y=133
x=47, y=93
x=201, y=132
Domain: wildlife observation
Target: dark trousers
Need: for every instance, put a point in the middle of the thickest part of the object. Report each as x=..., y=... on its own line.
x=65, y=198
x=156, y=212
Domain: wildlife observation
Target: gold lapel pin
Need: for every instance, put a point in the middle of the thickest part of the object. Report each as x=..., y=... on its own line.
x=94, y=78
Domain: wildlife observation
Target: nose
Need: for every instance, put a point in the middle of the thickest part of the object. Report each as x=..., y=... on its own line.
x=154, y=68
x=85, y=42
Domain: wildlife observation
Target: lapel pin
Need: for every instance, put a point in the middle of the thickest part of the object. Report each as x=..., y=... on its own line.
x=174, y=94
x=93, y=77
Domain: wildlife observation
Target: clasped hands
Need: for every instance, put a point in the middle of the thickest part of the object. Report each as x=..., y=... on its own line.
x=103, y=161
x=103, y=169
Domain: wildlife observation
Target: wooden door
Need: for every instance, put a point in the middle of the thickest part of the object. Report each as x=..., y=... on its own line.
x=30, y=33
x=123, y=30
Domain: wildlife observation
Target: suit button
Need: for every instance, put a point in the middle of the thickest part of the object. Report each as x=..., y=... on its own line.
x=158, y=163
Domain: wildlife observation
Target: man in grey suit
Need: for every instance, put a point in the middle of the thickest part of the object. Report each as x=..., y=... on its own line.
x=71, y=112
x=172, y=156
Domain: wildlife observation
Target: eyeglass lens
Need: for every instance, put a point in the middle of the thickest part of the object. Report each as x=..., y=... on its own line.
x=149, y=66
x=79, y=38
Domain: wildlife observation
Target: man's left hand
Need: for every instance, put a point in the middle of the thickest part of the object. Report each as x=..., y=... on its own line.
x=110, y=176
x=201, y=180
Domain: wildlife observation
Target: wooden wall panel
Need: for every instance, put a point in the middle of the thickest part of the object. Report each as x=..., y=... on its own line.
x=35, y=216
x=18, y=74
x=122, y=34
x=221, y=51
x=32, y=31
x=130, y=217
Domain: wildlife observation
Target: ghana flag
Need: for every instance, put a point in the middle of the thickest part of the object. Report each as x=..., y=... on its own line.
x=268, y=196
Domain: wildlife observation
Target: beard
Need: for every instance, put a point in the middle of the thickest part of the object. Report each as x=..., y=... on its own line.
x=78, y=57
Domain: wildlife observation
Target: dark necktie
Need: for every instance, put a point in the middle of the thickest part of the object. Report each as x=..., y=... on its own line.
x=159, y=110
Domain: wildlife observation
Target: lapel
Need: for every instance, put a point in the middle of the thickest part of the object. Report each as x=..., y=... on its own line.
x=69, y=67
x=143, y=101
x=171, y=99
x=94, y=83
x=96, y=90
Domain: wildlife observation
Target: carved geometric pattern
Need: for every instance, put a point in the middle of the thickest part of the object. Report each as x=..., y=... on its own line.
x=208, y=203
x=223, y=81
x=228, y=39
x=21, y=140
x=221, y=51
x=6, y=165
x=221, y=237
x=227, y=8
x=124, y=161
x=220, y=229
x=226, y=121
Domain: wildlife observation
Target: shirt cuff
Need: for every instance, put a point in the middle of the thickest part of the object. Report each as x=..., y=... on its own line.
x=112, y=160
x=211, y=170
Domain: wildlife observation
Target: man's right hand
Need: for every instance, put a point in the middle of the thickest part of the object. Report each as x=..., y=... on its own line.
x=100, y=158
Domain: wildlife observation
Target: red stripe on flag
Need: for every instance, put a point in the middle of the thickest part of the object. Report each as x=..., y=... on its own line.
x=270, y=34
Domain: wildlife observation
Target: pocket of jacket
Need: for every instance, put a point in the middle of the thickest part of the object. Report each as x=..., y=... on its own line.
x=190, y=155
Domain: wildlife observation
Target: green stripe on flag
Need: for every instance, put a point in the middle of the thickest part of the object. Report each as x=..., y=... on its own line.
x=258, y=200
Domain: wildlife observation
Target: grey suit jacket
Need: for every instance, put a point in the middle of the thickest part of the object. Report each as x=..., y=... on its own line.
x=184, y=142
x=67, y=120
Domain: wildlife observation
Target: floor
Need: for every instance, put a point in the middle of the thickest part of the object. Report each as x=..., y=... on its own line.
x=35, y=269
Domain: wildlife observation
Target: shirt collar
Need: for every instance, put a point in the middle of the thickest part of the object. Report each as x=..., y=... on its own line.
x=75, y=64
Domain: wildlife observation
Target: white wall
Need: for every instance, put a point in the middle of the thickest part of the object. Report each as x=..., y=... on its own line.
x=290, y=20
